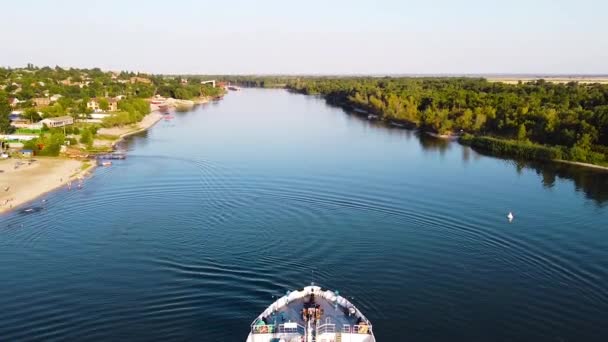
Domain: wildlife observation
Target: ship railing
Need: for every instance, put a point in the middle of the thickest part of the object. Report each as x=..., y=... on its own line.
x=263, y=329
x=357, y=329
x=291, y=328
x=284, y=328
x=326, y=329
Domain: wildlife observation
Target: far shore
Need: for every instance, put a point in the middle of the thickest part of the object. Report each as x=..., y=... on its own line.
x=552, y=79
x=23, y=181
x=454, y=138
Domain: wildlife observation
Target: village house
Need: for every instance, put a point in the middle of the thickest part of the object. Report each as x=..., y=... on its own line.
x=41, y=101
x=93, y=104
x=137, y=79
x=25, y=123
x=55, y=97
x=58, y=121
x=68, y=82
x=16, y=120
x=112, y=104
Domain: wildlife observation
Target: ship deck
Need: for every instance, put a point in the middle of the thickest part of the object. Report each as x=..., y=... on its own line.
x=292, y=312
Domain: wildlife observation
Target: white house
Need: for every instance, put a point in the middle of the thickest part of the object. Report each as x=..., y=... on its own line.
x=58, y=121
x=56, y=97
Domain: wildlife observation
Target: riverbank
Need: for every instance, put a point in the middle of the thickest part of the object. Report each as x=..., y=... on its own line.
x=124, y=131
x=495, y=148
x=23, y=181
x=523, y=150
x=147, y=122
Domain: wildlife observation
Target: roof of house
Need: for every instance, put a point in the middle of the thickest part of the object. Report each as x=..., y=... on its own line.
x=59, y=118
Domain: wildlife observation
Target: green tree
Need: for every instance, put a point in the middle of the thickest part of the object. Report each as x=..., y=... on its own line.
x=32, y=114
x=521, y=133
x=181, y=93
x=5, y=110
x=104, y=104
x=86, y=138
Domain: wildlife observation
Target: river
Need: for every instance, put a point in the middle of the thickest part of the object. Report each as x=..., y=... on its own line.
x=234, y=202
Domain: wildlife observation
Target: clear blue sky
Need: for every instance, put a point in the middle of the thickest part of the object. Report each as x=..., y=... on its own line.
x=321, y=37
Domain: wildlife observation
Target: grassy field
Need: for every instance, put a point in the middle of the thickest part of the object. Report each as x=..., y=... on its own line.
x=27, y=131
x=553, y=79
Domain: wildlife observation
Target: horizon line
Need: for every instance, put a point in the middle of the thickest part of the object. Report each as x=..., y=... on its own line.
x=355, y=74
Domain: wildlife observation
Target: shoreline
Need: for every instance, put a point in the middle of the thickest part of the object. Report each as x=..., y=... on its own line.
x=58, y=167
x=31, y=191
x=581, y=164
x=451, y=137
x=29, y=182
x=153, y=118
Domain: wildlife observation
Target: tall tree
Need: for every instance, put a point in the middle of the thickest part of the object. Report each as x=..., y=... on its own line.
x=5, y=110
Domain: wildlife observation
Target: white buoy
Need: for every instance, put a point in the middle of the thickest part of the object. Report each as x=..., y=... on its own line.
x=510, y=216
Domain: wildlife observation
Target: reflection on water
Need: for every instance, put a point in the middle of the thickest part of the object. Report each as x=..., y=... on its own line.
x=592, y=182
x=429, y=143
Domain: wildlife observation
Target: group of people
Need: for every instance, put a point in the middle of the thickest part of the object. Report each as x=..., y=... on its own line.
x=313, y=312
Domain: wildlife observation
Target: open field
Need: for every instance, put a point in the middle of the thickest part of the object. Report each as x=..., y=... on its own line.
x=554, y=79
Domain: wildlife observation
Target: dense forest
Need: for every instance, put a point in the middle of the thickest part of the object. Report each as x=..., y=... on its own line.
x=538, y=120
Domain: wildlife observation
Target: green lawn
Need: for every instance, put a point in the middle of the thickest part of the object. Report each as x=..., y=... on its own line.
x=27, y=131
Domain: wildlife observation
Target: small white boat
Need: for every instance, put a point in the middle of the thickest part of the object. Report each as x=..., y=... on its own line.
x=510, y=216
x=106, y=163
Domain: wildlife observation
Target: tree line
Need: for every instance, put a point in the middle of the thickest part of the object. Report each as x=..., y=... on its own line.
x=572, y=117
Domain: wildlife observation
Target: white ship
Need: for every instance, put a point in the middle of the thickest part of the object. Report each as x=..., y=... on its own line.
x=311, y=314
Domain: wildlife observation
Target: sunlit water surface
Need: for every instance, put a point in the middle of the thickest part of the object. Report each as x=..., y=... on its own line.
x=232, y=203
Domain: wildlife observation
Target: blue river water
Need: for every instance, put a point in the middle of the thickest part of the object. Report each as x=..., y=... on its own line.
x=223, y=208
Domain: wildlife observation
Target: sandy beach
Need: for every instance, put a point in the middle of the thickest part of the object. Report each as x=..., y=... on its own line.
x=21, y=181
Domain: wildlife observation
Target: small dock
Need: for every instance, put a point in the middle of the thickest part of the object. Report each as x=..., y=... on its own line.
x=109, y=156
